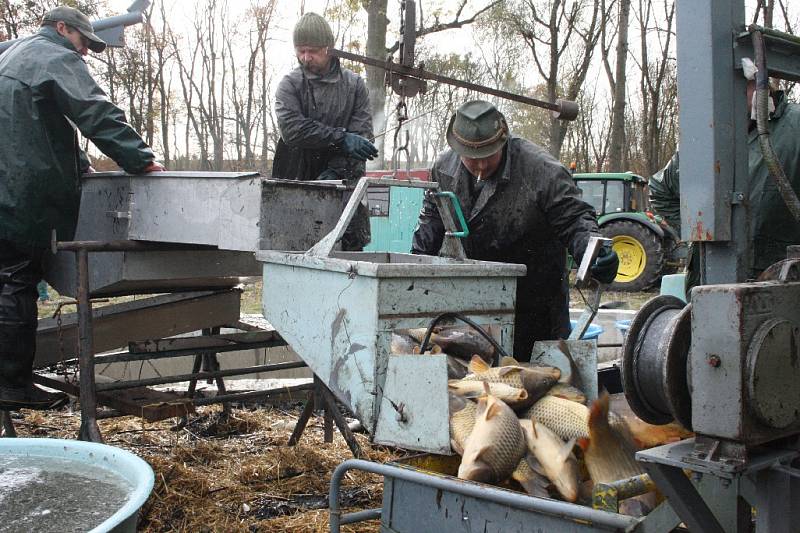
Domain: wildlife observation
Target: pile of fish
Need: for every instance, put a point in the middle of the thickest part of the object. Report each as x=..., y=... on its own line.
x=520, y=422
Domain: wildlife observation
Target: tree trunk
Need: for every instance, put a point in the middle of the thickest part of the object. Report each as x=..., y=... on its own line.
x=377, y=23
x=616, y=154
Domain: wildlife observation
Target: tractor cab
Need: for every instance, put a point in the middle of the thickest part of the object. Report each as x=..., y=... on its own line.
x=644, y=243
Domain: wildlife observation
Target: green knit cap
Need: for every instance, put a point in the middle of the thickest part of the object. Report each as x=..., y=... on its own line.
x=312, y=30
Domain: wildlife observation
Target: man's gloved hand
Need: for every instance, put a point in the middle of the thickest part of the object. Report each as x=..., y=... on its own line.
x=605, y=266
x=328, y=174
x=358, y=147
x=154, y=166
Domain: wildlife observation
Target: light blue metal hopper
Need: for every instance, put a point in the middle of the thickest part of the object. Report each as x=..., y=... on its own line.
x=338, y=311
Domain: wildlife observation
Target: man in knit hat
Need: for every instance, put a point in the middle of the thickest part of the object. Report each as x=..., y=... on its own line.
x=324, y=118
x=521, y=206
x=46, y=94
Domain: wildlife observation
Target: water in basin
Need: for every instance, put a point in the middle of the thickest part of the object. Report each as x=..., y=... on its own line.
x=55, y=494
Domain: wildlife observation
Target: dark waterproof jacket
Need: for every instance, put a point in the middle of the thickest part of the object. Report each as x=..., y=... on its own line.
x=528, y=214
x=772, y=226
x=45, y=88
x=314, y=112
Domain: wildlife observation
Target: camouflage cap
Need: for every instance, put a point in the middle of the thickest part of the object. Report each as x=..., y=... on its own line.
x=477, y=130
x=72, y=17
x=312, y=30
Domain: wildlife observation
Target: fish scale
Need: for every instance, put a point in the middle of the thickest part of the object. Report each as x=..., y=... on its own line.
x=535, y=381
x=462, y=420
x=565, y=418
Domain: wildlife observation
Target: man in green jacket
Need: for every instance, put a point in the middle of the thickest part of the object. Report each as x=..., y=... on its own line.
x=46, y=92
x=772, y=226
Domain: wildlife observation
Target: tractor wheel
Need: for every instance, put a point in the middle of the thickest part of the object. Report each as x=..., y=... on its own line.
x=641, y=256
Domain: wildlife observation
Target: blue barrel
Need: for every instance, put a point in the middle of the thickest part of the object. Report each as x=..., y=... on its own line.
x=592, y=332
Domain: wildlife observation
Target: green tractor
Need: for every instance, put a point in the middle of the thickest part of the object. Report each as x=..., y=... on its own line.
x=647, y=247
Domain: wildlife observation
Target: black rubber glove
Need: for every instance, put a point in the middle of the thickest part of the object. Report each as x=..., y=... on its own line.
x=358, y=147
x=605, y=266
x=328, y=174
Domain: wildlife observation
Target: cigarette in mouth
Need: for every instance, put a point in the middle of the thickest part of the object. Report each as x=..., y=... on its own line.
x=480, y=175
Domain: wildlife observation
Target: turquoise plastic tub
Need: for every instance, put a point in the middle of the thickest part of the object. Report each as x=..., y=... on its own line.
x=592, y=332
x=623, y=326
x=123, y=463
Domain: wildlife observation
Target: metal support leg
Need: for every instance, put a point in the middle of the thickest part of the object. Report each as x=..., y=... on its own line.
x=775, y=502
x=683, y=497
x=212, y=365
x=321, y=397
x=329, y=403
x=8, y=425
x=89, y=430
x=308, y=410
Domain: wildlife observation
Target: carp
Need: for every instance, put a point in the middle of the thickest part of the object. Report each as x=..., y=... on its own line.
x=462, y=421
x=528, y=475
x=496, y=445
x=568, y=392
x=475, y=389
x=457, y=342
x=609, y=453
x=535, y=380
x=566, y=418
x=555, y=457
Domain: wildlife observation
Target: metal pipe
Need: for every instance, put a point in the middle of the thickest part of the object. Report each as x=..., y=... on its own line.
x=119, y=385
x=473, y=490
x=564, y=109
x=89, y=429
x=762, y=117
x=255, y=395
x=361, y=516
x=607, y=496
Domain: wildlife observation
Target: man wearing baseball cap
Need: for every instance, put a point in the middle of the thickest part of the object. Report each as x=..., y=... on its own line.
x=46, y=94
x=324, y=118
x=521, y=207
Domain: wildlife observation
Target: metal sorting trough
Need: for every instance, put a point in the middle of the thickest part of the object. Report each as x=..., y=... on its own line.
x=221, y=217
x=338, y=311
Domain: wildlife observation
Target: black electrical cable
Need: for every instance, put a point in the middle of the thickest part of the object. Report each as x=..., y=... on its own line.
x=499, y=351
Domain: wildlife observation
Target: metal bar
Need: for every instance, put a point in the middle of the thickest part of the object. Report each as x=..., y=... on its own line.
x=769, y=32
x=89, y=429
x=327, y=425
x=118, y=385
x=254, y=395
x=126, y=246
x=683, y=497
x=607, y=496
x=308, y=410
x=474, y=490
x=414, y=72
x=361, y=516
x=124, y=357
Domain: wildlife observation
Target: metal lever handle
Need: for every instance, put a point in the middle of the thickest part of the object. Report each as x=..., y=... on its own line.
x=464, y=233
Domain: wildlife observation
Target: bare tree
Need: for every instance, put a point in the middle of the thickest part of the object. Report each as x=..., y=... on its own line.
x=561, y=36
x=658, y=85
x=617, y=82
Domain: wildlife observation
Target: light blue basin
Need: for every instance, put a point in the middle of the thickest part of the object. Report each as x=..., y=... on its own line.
x=125, y=464
x=623, y=326
x=592, y=332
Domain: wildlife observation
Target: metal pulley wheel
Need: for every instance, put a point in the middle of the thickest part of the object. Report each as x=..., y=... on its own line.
x=654, y=362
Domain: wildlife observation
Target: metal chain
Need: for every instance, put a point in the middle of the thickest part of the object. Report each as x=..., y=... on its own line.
x=402, y=116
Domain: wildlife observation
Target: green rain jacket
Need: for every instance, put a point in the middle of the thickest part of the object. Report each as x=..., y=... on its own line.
x=46, y=91
x=773, y=227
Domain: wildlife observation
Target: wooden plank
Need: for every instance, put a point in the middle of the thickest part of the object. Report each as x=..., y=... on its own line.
x=149, y=404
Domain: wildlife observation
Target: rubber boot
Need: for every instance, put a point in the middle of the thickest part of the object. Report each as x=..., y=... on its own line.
x=17, y=390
